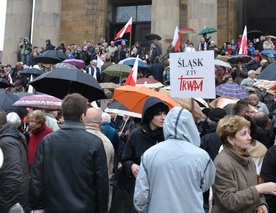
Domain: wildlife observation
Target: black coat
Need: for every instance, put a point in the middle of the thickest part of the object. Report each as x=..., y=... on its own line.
x=14, y=175
x=119, y=55
x=69, y=173
x=268, y=173
x=156, y=70
x=140, y=139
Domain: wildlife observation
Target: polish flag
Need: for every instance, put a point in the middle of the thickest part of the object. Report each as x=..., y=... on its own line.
x=126, y=29
x=244, y=46
x=10, y=78
x=132, y=77
x=30, y=87
x=176, y=39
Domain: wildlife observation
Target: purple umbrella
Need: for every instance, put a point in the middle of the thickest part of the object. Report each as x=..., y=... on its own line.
x=231, y=90
x=76, y=62
x=42, y=101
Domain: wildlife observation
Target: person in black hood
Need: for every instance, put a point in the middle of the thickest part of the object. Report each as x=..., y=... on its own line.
x=49, y=45
x=14, y=176
x=148, y=134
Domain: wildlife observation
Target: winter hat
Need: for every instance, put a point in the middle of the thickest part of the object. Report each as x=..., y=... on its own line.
x=216, y=114
x=17, y=83
x=270, y=55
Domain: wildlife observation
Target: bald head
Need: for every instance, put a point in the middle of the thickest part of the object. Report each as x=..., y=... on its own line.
x=93, y=116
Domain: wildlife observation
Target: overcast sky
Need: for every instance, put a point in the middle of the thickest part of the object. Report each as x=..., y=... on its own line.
x=3, y=4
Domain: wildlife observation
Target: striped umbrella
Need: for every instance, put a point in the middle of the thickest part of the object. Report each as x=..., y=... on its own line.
x=231, y=90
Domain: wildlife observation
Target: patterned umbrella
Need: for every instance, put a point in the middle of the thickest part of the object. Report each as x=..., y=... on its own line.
x=42, y=101
x=76, y=62
x=231, y=90
x=65, y=66
x=221, y=102
x=239, y=58
x=186, y=30
x=119, y=70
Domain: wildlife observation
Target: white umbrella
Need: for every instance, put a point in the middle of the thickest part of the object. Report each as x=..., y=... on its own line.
x=222, y=63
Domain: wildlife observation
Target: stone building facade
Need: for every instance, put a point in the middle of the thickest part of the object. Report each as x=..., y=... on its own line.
x=66, y=21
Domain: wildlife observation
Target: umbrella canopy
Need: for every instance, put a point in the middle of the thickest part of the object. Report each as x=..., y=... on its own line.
x=119, y=70
x=131, y=60
x=168, y=40
x=31, y=71
x=268, y=73
x=187, y=104
x=4, y=83
x=50, y=57
x=231, y=90
x=222, y=63
x=109, y=85
x=270, y=36
x=254, y=34
x=266, y=86
x=186, y=30
x=42, y=101
x=60, y=82
x=6, y=101
x=134, y=97
x=76, y=62
x=221, y=102
x=266, y=52
x=222, y=57
x=118, y=41
x=65, y=66
x=148, y=82
x=239, y=58
x=207, y=31
x=120, y=109
x=152, y=36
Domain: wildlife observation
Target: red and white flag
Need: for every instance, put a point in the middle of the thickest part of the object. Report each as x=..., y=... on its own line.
x=10, y=78
x=126, y=29
x=176, y=39
x=132, y=77
x=244, y=46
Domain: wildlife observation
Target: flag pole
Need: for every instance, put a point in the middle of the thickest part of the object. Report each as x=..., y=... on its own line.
x=130, y=41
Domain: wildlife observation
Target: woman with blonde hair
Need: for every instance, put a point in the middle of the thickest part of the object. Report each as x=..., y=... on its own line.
x=236, y=188
x=39, y=130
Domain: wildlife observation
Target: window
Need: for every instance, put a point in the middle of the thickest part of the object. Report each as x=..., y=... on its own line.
x=139, y=13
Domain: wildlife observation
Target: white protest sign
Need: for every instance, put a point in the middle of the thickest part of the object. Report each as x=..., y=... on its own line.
x=192, y=74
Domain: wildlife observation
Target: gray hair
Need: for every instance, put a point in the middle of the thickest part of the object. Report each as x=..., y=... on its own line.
x=13, y=119
x=106, y=117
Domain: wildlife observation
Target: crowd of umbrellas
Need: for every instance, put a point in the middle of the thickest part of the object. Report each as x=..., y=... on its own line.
x=51, y=87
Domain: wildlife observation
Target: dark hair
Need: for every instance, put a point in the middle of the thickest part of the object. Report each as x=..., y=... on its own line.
x=3, y=118
x=241, y=105
x=261, y=119
x=153, y=111
x=73, y=106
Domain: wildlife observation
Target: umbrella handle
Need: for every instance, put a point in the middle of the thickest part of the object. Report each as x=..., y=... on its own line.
x=124, y=124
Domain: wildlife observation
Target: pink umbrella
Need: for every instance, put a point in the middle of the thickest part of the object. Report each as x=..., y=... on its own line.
x=186, y=30
x=76, y=62
x=41, y=101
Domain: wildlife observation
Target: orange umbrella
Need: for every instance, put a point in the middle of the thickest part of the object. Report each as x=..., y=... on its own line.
x=134, y=97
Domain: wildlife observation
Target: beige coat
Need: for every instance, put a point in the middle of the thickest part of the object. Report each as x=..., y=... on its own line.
x=109, y=150
x=234, y=188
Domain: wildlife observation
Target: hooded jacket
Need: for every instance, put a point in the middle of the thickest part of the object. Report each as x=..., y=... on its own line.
x=173, y=174
x=14, y=176
x=139, y=140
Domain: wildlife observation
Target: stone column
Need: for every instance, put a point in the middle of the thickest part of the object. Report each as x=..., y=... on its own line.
x=165, y=17
x=46, y=24
x=202, y=13
x=18, y=24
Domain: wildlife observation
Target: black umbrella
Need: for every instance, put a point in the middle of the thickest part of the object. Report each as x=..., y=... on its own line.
x=32, y=71
x=50, y=57
x=239, y=58
x=60, y=82
x=254, y=34
x=152, y=36
x=6, y=101
x=268, y=73
x=4, y=83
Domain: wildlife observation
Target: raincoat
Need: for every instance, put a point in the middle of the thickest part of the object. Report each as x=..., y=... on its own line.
x=174, y=174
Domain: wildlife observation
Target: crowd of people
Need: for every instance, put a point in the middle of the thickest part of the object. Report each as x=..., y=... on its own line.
x=85, y=160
